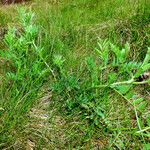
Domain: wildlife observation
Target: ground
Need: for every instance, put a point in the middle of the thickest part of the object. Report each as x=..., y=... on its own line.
x=57, y=105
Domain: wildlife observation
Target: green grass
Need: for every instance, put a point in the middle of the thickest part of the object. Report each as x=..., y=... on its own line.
x=74, y=51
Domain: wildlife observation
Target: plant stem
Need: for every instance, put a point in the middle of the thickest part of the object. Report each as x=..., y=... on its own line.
x=132, y=81
x=143, y=130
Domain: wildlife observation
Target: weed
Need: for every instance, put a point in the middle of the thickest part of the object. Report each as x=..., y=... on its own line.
x=110, y=71
x=97, y=101
x=24, y=74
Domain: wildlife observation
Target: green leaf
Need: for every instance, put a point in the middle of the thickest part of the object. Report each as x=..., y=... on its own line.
x=99, y=112
x=123, y=89
x=112, y=77
x=146, y=146
x=116, y=51
x=127, y=48
x=58, y=60
x=137, y=101
x=147, y=58
x=146, y=67
x=148, y=120
x=142, y=106
x=103, y=50
x=123, y=53
x=129, y=95
x=138, y=73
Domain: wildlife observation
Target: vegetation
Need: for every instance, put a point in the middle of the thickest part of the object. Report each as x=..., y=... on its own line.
x=68, y=75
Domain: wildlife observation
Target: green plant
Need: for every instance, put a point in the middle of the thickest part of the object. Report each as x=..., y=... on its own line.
x=110, y=71
x=25, y=73
x=94, y=104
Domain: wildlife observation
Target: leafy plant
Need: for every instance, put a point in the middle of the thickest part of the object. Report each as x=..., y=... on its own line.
x=97, y=101
x=26, y=71
x=110, y=71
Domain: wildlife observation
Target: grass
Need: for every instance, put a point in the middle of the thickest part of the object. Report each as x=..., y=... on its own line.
x=81, y=59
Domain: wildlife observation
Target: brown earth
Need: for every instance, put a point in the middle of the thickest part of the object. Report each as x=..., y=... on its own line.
x=11, y=1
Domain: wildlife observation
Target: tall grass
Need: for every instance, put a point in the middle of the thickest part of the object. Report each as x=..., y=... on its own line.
x=93, y=82
x=24, y=73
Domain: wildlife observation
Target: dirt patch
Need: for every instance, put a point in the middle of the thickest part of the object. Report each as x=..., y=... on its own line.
x=6, y=2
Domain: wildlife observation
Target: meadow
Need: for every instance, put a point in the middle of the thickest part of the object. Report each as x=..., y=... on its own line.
x=69, y=75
